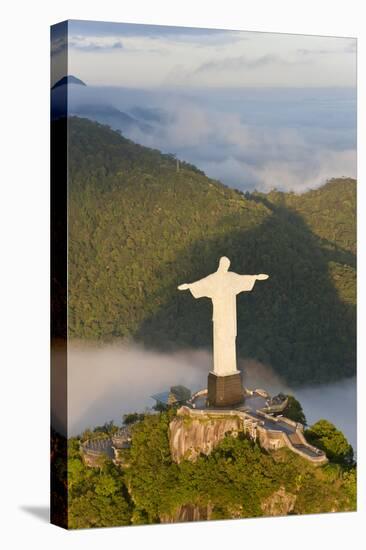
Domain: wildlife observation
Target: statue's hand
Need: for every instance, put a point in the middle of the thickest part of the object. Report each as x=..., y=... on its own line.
x=262, y=277
x=183, y=287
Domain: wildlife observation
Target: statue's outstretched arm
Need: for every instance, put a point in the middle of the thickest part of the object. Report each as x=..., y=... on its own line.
x=199, y=289
x=184, y=286
x=262, y=277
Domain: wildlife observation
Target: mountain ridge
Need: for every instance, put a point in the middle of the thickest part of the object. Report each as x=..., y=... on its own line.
x=68, y=79
x=138, y=227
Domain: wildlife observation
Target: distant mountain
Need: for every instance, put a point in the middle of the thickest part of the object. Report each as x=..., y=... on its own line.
x=112, y=117
x=69, y=79
x=89, y=105
x=150, y=114
x=138, y=228
x=85, y=104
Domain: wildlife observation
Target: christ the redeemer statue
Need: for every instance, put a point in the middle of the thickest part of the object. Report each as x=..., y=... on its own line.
x=222, y=287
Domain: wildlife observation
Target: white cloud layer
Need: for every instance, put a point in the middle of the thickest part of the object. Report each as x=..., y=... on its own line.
x=289, y=139
x=247, y=156
x=199, y=57
x=105, y=382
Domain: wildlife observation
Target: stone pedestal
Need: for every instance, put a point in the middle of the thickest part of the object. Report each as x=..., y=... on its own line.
x=224, y=391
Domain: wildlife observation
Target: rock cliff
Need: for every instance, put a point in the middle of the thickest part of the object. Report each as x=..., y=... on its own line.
x=188, y=437
x=280, y=503
x=188, y=512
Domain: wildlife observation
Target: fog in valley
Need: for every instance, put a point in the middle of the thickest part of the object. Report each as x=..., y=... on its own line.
x=292, y=139
x=105, y=382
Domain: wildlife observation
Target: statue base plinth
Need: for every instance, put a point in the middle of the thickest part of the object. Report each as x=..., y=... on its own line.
x=224, y=391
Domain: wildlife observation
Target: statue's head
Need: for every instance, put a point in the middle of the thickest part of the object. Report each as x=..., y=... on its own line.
x=224, y=264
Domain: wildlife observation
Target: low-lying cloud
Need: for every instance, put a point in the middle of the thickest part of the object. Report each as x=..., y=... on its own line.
x=105, y=382
x=247, y=156
x=240, y=63
x=290, y=139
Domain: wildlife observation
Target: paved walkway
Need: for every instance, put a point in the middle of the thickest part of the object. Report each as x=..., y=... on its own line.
x=256, y=404
x=272, y=424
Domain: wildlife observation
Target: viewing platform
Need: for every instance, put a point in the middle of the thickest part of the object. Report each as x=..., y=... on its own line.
x=93, y=450
x=257, y=419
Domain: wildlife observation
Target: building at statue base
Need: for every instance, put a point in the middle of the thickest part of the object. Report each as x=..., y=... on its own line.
x=224, y=391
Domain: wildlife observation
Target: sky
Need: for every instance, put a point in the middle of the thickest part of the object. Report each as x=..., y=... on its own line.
x=254, y=110
x=146, y=55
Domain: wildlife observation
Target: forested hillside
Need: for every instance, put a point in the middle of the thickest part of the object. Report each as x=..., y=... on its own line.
x=237, y=479
x=138, y=228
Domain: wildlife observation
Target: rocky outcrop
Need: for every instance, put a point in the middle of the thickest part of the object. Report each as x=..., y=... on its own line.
x=189, y=436
x=193, y=432
x=280, y=503
x=188, y=512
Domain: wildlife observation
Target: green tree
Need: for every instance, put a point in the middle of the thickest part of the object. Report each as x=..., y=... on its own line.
x=234, y=480
x=131, y=418
x=294, y=410
x=326, y=436
x=98, y=497
x=152, y=476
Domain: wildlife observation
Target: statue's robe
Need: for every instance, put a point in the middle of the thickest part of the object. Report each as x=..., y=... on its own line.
x=222, y=288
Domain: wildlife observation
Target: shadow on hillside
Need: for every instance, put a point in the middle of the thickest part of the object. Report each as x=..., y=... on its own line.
x=295, y=321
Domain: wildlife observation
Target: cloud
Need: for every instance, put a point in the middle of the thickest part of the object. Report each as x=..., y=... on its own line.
x=147, y=39
x=351, y=47
x=256, y=155
x=157, y=32
x=94, y=44
x=292, y=140
x=205, y=57
x=240, y=62
x=302, y=174
x=105, y=382
x=58, y=45
x=296, y=175
x=305, y=51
